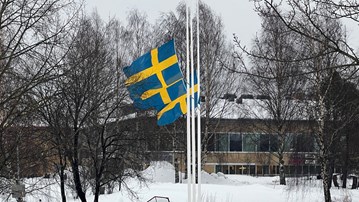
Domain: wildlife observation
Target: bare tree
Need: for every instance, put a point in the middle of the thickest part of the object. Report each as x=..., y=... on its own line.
x=137, y=37
x=275, y=78
x=215, y=54
x=323, y=48
x=85, y=106
x=52, y=111
x=83, y=97
x=31, y=34
x=302, y=18
x=342, y=102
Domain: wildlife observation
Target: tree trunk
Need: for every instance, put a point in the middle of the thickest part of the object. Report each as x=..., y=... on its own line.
x=75, y=168
x=331, y=172
x=324, y=161
x=323, y=149
x=326, y=182
x=98, y=173
x=345, y=177
x=346, y=161
x=62, y=183
x=281, y=161
x=97, y=192
x=61, y=170
x=77, y=181
x=281, y=174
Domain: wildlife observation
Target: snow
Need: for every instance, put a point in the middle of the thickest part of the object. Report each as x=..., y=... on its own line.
x=257, y=109
x=216, y=187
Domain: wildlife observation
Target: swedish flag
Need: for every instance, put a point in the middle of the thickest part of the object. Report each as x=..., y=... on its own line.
x=155, y=80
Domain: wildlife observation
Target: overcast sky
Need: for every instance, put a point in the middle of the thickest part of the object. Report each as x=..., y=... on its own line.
x=238, y=15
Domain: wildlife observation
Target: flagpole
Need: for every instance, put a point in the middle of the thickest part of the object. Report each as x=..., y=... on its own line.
x=199, y=133
x=193, y=116
x=189, y=176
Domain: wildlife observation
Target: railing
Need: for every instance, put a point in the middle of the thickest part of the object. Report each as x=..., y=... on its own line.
x=159, y=199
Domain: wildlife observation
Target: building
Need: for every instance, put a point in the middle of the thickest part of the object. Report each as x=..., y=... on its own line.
x=239, y=144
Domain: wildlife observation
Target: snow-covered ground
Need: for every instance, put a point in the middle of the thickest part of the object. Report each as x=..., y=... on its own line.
x=215, y=188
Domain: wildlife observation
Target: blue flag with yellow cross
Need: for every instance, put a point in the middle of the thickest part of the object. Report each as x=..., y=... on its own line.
x=155, y=80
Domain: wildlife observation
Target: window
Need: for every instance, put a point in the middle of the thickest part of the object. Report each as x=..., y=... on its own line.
x=232, y=169
x=225, y=169
x=288, y=142
x=252, y=169
x=236, y=169
x=300, y=143
x=239, y=169
x=249, y=142
x=218, y=168
x=263, y=143
x=235, y=142
x=222, y=168
x=305, y=143
x=273, y=141
x=225, y=142
x=275, y=169
x=305, y=169
x=222, y=142
x=211, y=143
x=265, y=169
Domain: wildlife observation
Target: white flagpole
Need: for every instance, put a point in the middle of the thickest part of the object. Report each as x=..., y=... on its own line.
x=199, y=134
x=189, y=176
x=193, y=121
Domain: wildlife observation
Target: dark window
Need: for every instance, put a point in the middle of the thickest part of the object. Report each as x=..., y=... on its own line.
x=275, y=170
x=235, y=142
x=218, y=168
x=225, y=169
x=305, y=169
x=245, y=170
x=273, y=143
x=263, y=143
x=305, y=142
x=210, y=145
x=231, y=170
x=265, y=170
x=252, y=169
x=314, y=169
x=302, y=143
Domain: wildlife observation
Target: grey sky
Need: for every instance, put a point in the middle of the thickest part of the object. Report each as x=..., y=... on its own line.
x=238, y=15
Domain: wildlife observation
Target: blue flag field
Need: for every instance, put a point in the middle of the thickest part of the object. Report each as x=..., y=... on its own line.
x=155, y=80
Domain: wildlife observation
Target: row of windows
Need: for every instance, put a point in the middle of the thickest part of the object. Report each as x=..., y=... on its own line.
x=268, y=170
x=260, y=142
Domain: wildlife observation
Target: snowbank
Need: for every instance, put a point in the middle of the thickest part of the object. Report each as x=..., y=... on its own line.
x=216, y=187
x=160, y=171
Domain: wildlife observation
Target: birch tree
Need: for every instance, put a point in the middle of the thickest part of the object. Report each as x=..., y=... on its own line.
x=274, y=73
x=324, y=48
x=31, y=34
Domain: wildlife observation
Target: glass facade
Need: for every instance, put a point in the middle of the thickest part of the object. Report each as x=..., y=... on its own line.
x=236, y=169
x=297, y=144
x=246, y=142
x=301, y=170
x=267, y=170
